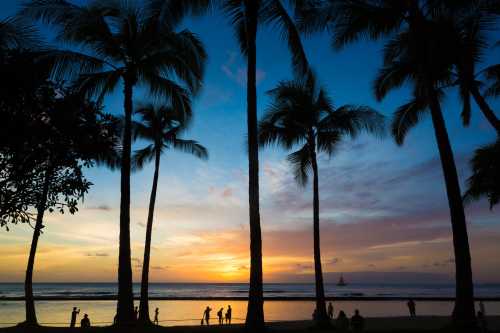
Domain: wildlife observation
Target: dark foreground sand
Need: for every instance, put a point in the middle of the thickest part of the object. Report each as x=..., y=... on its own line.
x=388, y=324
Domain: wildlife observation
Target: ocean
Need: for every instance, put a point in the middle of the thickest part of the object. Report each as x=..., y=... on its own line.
x=373, y=300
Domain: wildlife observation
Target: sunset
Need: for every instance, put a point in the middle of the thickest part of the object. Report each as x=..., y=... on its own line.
x=356, y=175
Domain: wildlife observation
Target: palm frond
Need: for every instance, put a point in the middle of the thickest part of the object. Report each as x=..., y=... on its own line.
x=275, y=13
x=361, y=18
x=392, y=76
x=164, y=89
x=406, y=117
x=353, y=119
x=328, y=141
x=143, y=156
x=191, y=147
x=301, y=164
x=485, y=178
x=493, y=75
x=235, y=10
x=17, y=33
x=98, y=85
x=68, y=65
x=170, y=13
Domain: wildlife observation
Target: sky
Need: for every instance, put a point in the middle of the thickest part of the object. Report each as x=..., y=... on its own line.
x=383, y=208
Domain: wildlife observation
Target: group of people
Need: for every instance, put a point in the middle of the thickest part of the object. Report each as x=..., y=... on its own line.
x=84, y=323
x=220, y=315
x=342, y=323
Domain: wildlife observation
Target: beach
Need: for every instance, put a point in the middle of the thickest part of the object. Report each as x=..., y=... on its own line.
x=383, y=324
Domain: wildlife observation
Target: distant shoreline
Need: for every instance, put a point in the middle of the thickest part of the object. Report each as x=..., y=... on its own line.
x=277, y=298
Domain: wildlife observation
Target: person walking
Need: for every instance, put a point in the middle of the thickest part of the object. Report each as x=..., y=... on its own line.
x=229, y=314
x=330, y=310
x=206, y=315
x=412, y=308
x=219, y=315
x=157, y=312
x=74, y=313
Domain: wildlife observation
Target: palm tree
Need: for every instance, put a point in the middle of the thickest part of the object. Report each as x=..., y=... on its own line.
x=122, y=43
x=161, y=126
x=485, y=179
x=417, y=53
x=415, y=57
x=469, y=29
x=246, y=16
x=301, y=114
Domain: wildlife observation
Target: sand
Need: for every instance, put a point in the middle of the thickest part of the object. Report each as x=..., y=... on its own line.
x=387, y=324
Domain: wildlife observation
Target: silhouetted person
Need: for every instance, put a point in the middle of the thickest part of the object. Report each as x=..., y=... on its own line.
x=219, y=315
x=330, y=310
x=315, y=315
x=115, y=319
x=342, y=322
x=136, y=313
x=481, y=308
x=412, y=307
x=85, y=323
x=357, y=322
x=206, y=315
x=74, y=313
x=481, y=321
x=157, y=311
x=229, y=314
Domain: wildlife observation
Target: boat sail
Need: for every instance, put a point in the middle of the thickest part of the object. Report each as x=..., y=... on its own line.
x=341, y=282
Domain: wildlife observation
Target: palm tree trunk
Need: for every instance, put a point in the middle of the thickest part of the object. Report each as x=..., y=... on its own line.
x=321, y=315
x=144, y=304
x=485, y=108
x=255, y=311
x=125, y=306
x=28, y=283
x=463, y=312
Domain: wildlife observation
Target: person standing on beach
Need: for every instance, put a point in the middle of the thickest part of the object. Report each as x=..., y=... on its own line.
x=136, y=313
x=74, y=313
x=481, y=308
x=157, y=311
x=229, y=314
x=412, y=308
x=219, y=315
x=330, y=310
x=85, y=322
x=206, y=315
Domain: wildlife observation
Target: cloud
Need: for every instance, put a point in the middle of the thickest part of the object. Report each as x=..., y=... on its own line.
x=97, y=254
x=159, y=268
x=238, y=73
x=100, y=207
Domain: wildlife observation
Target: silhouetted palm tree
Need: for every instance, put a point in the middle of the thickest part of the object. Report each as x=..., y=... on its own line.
x=246, y=16
x=470, y=29
x=415, y=56
x=416, y=52
x=123, y=43
x=161, y=126
x=485, y=179
x=301, y=114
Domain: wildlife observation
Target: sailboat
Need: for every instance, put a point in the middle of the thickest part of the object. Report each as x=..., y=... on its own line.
x=341, y=282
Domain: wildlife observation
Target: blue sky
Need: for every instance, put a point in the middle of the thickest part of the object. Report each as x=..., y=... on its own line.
x=383, y=207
